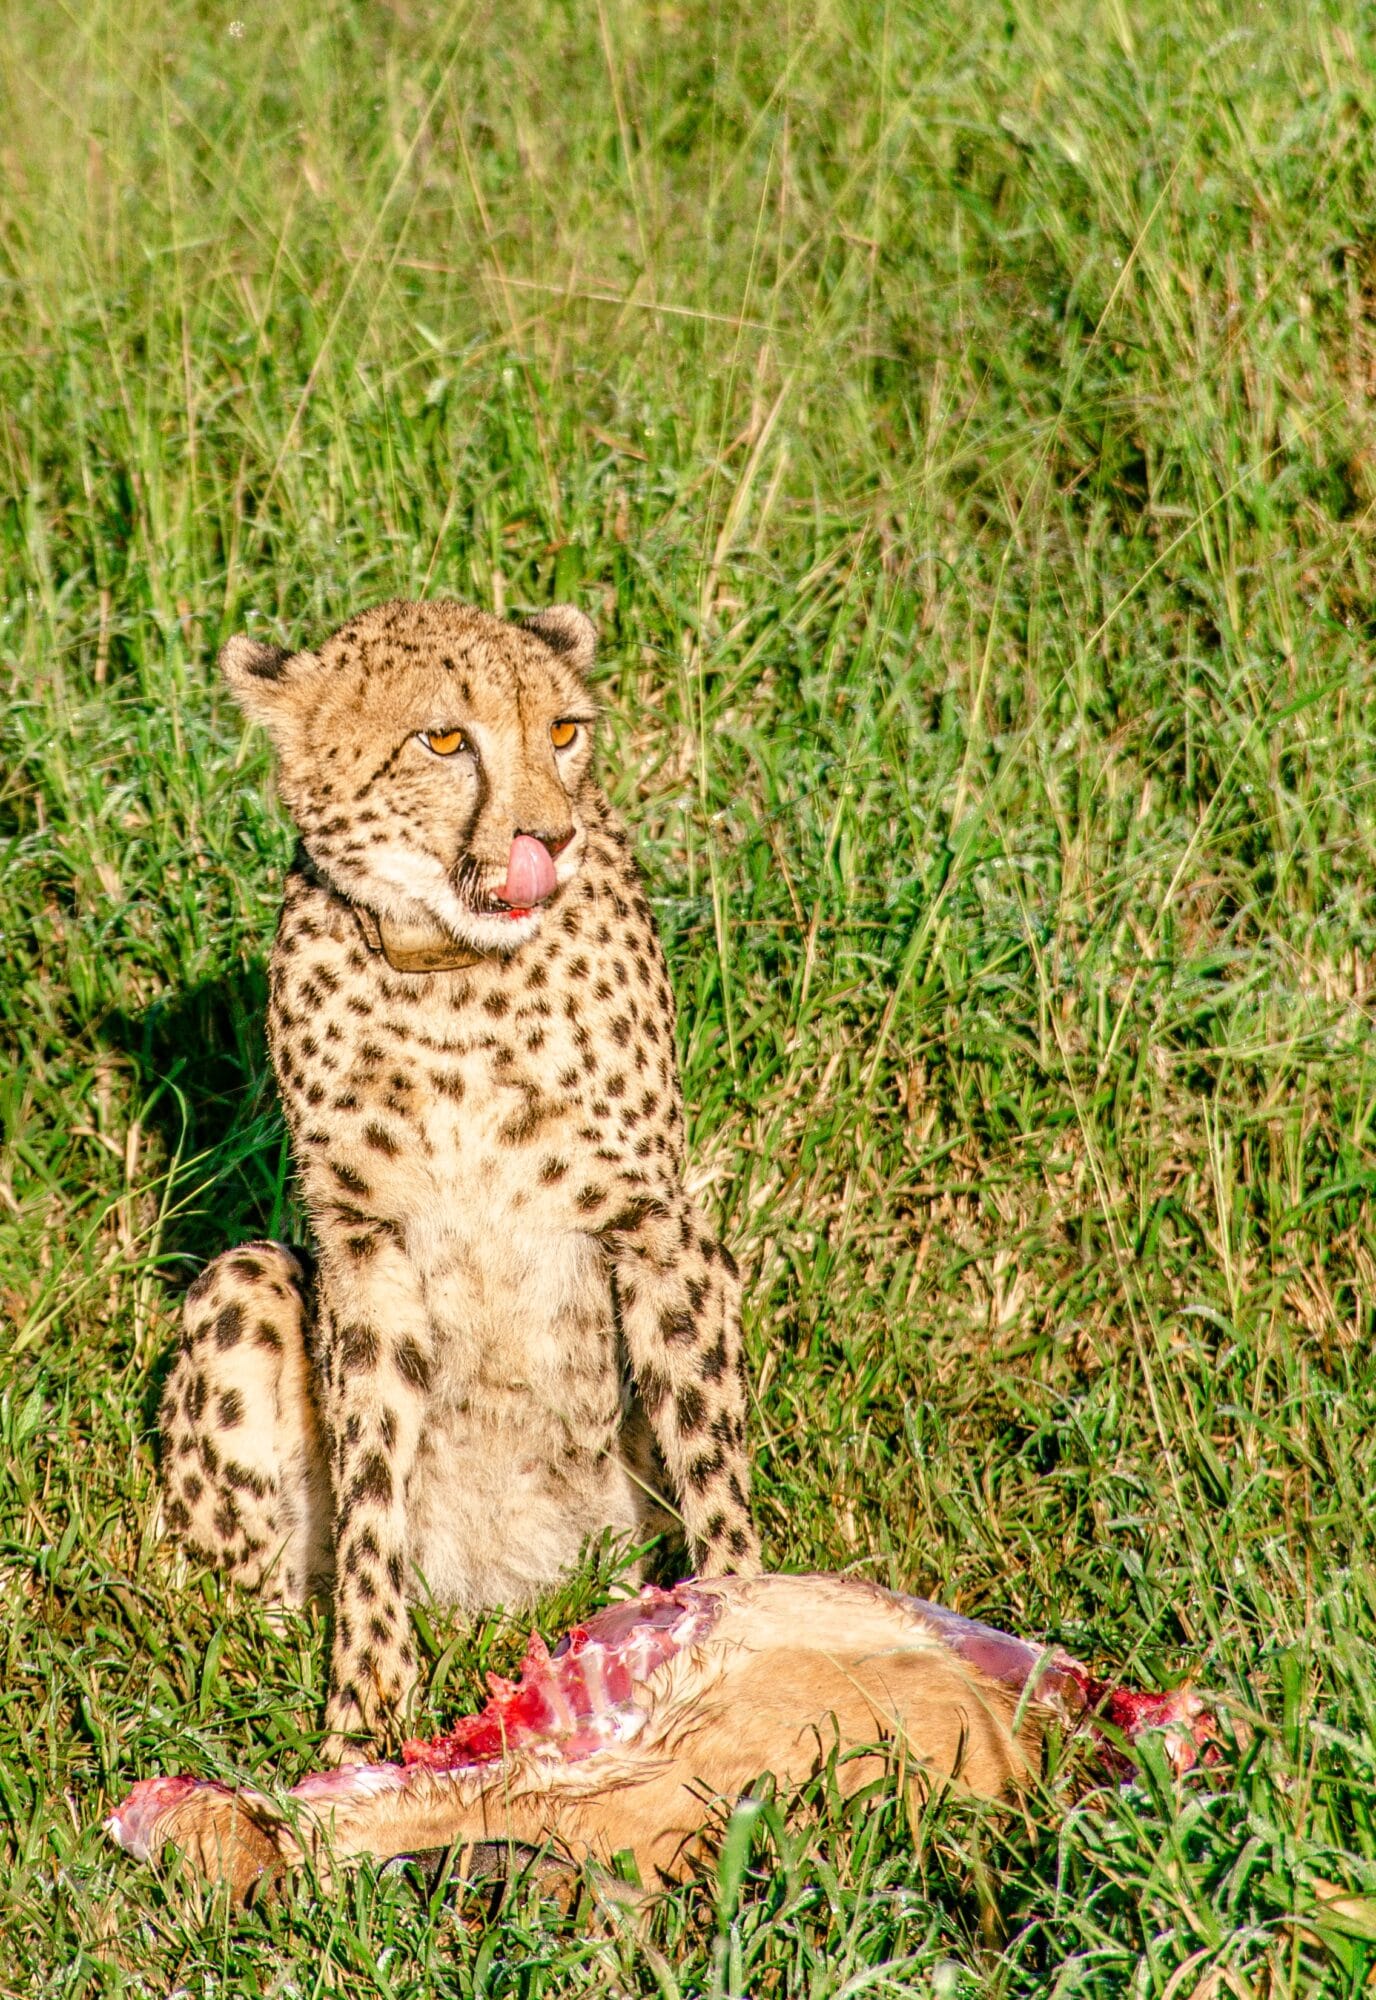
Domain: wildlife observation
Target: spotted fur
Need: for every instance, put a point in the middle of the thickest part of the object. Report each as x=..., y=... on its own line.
x=518, y=1330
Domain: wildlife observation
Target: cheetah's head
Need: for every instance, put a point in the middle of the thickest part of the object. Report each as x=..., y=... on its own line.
x=436, y=760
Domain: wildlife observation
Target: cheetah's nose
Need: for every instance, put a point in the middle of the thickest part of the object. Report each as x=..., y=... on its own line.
x=530, y=877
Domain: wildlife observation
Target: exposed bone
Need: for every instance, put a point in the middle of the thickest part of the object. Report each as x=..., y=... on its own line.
x=653, y=1711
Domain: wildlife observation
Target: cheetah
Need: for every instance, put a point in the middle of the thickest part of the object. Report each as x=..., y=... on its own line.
x=516, y=1332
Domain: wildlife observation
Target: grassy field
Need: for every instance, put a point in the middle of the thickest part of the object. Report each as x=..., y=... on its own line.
x=958, y=421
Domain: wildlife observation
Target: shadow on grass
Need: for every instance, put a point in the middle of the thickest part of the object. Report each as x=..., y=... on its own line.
x=201, y=1065
x=201, y=1069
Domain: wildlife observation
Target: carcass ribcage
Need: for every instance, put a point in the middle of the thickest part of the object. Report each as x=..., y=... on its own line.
x=622, y=1738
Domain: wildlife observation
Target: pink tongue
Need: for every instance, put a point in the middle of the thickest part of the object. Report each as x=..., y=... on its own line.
x=529, y=873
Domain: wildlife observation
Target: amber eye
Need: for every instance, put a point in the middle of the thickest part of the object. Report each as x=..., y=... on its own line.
x=444, y=742
x=561, y=734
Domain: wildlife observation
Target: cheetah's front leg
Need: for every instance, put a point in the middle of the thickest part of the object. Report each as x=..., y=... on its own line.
x=376, y=1338
x=680, y=1303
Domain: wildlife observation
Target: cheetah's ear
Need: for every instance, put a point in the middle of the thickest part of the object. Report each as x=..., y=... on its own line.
x=567, y=631
x=263, y=678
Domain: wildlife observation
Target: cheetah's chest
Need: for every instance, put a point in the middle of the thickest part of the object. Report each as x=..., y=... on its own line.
x=463, y=1122
x=495, y=1120
x=475, y=1148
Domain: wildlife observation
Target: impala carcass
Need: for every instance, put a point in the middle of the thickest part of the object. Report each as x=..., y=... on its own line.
x=651, y=1716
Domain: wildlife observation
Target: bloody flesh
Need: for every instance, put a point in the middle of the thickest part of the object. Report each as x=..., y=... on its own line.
x=579, y=1698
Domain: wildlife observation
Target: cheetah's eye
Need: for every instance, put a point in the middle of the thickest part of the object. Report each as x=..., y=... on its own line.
x=561, y=734
x=444, y=742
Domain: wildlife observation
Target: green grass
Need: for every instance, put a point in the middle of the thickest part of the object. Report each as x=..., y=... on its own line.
x=959, y=421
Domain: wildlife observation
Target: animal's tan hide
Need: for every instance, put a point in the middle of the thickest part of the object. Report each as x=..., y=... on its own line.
x=719, y=1682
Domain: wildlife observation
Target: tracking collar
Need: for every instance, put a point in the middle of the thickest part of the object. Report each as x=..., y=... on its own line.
x=414, y=947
